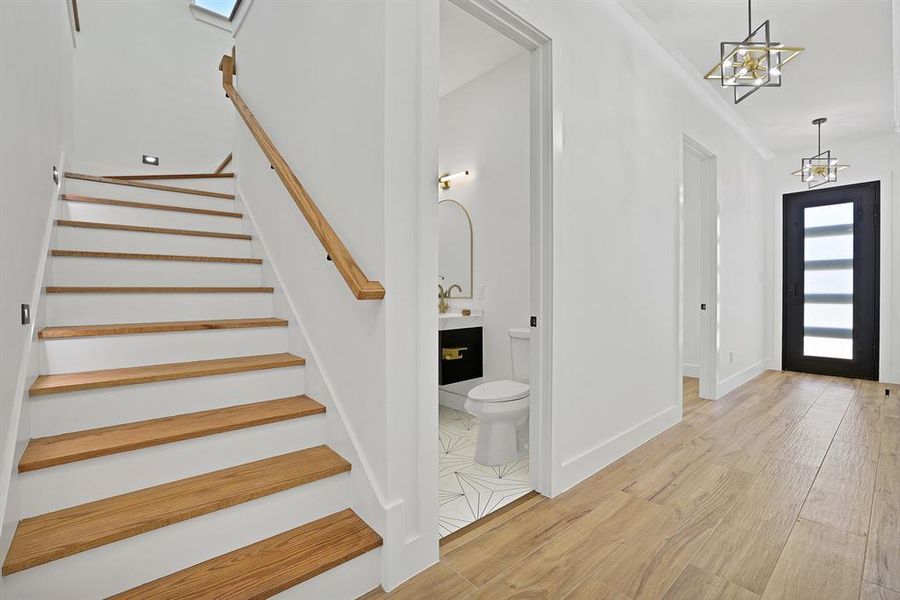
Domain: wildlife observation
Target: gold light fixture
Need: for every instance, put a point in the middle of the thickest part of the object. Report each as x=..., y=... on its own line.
x=445, y=179
x=822, y=168
x=756, y=62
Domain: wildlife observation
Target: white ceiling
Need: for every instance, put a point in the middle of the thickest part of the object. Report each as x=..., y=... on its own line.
x=469, y=48
x=845, y=74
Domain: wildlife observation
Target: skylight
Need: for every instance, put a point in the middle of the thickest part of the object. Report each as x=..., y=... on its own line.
x=224, y=8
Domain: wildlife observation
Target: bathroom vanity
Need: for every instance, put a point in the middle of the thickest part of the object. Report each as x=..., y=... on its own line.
x=461, y=354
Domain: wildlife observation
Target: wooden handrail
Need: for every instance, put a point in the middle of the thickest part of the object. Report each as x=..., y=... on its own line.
x=223, y=164
x=362, y=287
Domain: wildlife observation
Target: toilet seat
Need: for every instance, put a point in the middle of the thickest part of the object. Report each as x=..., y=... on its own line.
x=502, y=390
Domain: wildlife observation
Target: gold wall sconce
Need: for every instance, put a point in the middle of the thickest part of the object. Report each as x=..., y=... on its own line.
x=445, y=179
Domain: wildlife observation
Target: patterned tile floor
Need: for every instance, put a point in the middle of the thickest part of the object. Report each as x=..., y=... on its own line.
x=467, y=490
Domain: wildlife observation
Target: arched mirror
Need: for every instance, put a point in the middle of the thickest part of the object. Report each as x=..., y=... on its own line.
x=455, y=247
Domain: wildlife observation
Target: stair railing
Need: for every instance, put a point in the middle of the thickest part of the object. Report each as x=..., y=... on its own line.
x=362, y=287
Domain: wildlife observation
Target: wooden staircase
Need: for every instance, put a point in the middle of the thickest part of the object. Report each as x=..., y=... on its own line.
x=174, y=453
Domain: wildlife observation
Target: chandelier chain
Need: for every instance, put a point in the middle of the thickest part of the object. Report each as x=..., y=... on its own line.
x=749, y=18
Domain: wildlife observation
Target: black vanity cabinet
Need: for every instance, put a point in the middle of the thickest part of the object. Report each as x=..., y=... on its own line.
x=460, y=355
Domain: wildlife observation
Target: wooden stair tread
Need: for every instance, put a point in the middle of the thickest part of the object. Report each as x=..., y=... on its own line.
x=151, y=186
x=172, y=176
x=90, y=380
x=267, y=567
x=74, y=331
x=140, y=256
x=151, y=206
x=80, y=445
x=51, y=536
x=141, y=228
x=134, y=289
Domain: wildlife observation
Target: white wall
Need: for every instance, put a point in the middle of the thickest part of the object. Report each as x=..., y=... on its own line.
x=691, y=266
x=870, y=159
x=147, y=82
x=618, y=135
x=337, y=88
x=357, y=119
x=35, y=132
x=485, y=127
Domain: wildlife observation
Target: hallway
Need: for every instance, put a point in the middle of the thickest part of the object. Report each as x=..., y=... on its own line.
x=789, y=487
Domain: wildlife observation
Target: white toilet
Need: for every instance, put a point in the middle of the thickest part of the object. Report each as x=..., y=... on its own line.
x=502, y=408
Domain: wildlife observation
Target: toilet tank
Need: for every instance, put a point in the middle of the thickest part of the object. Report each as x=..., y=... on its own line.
x=520, y=349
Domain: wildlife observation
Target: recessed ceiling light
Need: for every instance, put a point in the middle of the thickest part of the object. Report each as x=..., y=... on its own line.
x=151, y=160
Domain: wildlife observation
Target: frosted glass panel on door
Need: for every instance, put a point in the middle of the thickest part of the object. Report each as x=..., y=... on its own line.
x=828, y=281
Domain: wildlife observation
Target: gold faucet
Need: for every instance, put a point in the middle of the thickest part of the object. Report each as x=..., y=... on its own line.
x=443, y=296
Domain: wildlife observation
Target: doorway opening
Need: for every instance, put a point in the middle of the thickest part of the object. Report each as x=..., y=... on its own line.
x=831, y=281
x=698, y=276
x=493, y=279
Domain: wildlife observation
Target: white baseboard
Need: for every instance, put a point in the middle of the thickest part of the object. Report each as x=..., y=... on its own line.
x=582, y=466
x=889, y=377
x=690, y=370
x=740, y=378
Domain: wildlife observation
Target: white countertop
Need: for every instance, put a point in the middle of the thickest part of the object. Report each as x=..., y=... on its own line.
x=455, y=320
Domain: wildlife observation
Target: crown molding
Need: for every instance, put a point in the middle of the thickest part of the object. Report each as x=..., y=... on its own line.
x=694, y=79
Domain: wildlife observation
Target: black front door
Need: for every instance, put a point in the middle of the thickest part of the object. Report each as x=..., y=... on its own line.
x=831, y=281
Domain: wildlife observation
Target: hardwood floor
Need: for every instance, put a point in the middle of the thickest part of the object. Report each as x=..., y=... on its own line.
x=789, y=488
x=692, y=400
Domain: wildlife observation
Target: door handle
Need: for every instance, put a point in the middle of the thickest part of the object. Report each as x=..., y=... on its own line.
x=452, y=353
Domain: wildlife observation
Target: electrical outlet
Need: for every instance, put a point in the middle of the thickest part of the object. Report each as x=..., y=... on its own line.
x=26, y=314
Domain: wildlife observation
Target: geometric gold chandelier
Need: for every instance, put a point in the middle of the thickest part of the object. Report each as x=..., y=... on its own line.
x=821, y=168
x=755, y=62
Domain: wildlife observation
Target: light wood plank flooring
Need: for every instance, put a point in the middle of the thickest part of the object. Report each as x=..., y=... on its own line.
x=789, y=487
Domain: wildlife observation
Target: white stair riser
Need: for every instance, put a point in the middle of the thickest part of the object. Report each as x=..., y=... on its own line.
x=54, y=488
x=212, y=184
x=90, y=309
x=69, y=270
x=53, y=414
x=116, y=351
x=101, y=213
x=352, y=579
x=119, y=566
x=135, y=194
x=108, y=240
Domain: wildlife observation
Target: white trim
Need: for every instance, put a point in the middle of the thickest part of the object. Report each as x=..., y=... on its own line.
x=10, y=450
x=709, y=267
x=204, y=15
x=585, y=464
x=695, y=81
x=690, y=371
x=241, y=16
x=740, y=378
x=511, y=25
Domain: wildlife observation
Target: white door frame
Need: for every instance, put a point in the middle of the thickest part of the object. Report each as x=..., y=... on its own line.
x=491, y=12
x=709, y=269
